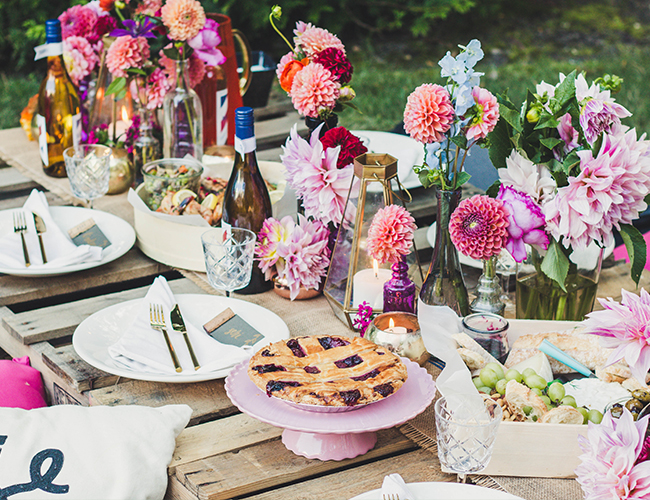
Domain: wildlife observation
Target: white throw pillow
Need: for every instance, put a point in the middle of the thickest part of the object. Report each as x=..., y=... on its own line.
x=73, y=452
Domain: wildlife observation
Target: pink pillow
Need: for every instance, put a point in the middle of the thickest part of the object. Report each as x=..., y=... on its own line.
x=21, y=385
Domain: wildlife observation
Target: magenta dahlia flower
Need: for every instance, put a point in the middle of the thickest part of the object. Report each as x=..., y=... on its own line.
x=479, y=227
x=609, y=467
x=390, y=235
x=314, y=89
x=526, y=222
x=625, y=327
x=336, y=61
x=351, y=145
x=78, y=20
x=486, y=116
x=429, y=113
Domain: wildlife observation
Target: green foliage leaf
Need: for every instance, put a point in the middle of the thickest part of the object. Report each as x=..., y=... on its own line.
x=636, y=249
x=555, y=264
x=570, y=162
x=547, y=120
x=493, y=190
x=462, y=178
x=116, y=86
x=425, y=179
x=551, y=142
x=512, y=117
x=566, y=90
x=460, y=141
x=500, y=145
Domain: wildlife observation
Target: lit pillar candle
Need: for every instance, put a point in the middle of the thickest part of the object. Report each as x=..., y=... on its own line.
x=368, y=286
x=395, y=329
x=119, y=127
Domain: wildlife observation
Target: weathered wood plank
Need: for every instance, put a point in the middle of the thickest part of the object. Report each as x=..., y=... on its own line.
x=12, y=180
x=269, y=465
x=61, y=320
x=272, y=133
x=19, y=201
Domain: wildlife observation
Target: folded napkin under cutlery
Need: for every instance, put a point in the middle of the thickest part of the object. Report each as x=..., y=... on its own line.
x=60, y=249
x=142, y=349
x=394, y=485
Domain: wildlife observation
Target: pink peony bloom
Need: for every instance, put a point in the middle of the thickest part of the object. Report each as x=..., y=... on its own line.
x=78, y=20
x=313, y=90
x=313, y=173
x=526, y=222
x=206, y=42
x=80, y=58
x=598, y=116
x=314, y=40
x=486, y=117
x=157, y=88
x=479, y=227
x=625, y=327
x=390, y=235
x=608, y=468
x=182, y=18
x=126, y=52
x=609, y=190
x=286, y=59
x=523, y=175
x=428, y=113
x=149, y=7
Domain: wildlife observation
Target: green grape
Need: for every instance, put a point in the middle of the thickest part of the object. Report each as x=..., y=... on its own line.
x=477, y=382
x=569, y=401
x=513, y=374
x=537, y=391
x=547, y=401
x=585, y=414
x=527, y=410
x=501, y=386
x=488, y=377
x=535, y=382
x=528, y=372
x=556, y=392
x=496, y=367
x=484, y=389
x=595, y=416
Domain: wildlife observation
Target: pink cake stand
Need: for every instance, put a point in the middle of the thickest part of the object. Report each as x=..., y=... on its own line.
x=332, y=436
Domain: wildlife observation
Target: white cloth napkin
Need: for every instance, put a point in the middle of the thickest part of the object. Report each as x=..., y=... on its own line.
x=394, y=485
x=59, y=248
x=143, y=349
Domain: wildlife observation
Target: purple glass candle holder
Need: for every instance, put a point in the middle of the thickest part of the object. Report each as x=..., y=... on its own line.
x=399, y=290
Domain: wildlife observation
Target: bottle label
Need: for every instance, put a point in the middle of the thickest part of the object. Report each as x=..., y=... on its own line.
x=42, y=139
x=243, y=146
x=222, y=117
x=76, y=129
x=48, y=50
x=226, y=229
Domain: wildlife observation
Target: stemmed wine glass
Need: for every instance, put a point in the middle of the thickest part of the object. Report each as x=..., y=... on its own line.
x=88, y=170
x=228, y=256
x=466, y=428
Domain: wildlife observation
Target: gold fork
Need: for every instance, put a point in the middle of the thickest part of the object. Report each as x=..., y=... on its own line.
x=390, y=496
x=157, y=320
x=21, y=227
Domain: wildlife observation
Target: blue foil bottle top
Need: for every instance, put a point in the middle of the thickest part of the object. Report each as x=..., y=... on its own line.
x=52, y=31
x=244, y=120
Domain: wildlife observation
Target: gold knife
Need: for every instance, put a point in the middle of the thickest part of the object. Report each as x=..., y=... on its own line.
x=40, y=229
x=179, y=325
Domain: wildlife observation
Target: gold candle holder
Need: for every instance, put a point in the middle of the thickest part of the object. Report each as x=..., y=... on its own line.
x=399, y=332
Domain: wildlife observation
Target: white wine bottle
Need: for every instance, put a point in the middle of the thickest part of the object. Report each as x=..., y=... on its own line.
x=58, y=114
x=247, y=203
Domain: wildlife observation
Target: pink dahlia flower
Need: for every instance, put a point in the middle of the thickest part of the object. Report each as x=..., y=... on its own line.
x=313, y=90
x=273, y=233
x=158, y=86
x=78, y=20
x=598, y=116
x=609, y=468
x=183, y=18
x=206, y=42
x=526, y=222
x=313, y=173
x=479, y=227
x=149, y=7
x=390, y=235
x=286, y=59
x=609, y=190
x=80, y=58
x=314, y=40
x=428, y=113
x=523, y=175
x=625, y=327
x=568, y=134
x=486, y=117
x=126, y=52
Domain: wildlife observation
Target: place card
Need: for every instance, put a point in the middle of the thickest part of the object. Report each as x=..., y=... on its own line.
x=87, y=233
x=229, y=328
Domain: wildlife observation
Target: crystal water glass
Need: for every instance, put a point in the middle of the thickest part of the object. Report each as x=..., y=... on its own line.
x=466, y=427
x=228, y=256
x=88, y=169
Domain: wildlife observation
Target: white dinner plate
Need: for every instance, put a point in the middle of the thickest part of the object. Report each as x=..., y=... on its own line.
x=408, y=152
x=96, y=333
x=445, y=491
x=468, y=261
x=119, y=232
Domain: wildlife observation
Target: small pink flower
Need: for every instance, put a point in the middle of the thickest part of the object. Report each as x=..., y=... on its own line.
x=158, y=86
x=206, y=42
x=80, y=58
x=598, y=116
x=126, y=52
x=313, y=90
x=78, y=20
x=478, y=227
x=568, y=134
x=428, y=113
x=183, y=18
x=526, y=222
x=390, y=235
x=314, y=40
x=486, y=117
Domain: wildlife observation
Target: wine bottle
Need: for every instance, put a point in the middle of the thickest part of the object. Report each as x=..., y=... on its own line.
x=58, y=114
x=247, y=203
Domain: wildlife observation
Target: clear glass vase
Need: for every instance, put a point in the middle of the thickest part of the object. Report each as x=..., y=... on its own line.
x=539, y=297
x=488, y=291
x=444, y=284
x=146, y=147
x=183, y=118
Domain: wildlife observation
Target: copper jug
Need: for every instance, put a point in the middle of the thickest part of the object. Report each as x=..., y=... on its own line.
x=222, y=87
